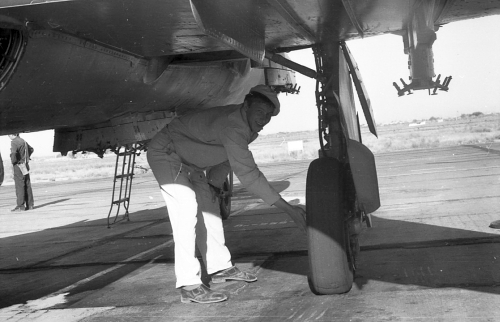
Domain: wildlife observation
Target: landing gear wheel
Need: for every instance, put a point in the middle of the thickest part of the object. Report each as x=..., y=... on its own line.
x=225, y=197
x=328, y=237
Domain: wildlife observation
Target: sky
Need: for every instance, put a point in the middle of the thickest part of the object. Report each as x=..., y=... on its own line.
x=466, y=50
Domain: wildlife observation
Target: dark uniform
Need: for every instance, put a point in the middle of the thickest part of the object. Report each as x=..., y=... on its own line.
x=23, y=184
x=1, y=170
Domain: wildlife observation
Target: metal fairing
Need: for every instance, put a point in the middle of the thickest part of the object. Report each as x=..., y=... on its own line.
x=235, y=23
x=360, y=89
x=346, y=98
x=364, y=174
x=87, y=65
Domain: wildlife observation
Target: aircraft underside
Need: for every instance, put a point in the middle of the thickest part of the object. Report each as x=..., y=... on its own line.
x=108, y=73
x=95, y=71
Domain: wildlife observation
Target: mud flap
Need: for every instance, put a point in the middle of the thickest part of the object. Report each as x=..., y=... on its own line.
x=364, y=173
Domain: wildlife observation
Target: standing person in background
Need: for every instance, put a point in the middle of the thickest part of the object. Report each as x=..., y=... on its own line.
x=20, y=152
x=1, y=170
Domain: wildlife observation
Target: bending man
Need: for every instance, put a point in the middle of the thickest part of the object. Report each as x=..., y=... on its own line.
x=192, y=153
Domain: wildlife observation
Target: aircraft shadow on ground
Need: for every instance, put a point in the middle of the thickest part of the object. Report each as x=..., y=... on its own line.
x=26, y=275
x=241, y=194
x=439, y=257
x=84, y=236
x=430, y=256
x=442, y=257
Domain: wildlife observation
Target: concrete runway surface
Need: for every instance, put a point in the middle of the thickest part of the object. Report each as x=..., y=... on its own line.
x=429, y=257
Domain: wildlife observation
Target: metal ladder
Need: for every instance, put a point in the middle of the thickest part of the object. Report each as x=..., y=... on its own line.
x=125, y=177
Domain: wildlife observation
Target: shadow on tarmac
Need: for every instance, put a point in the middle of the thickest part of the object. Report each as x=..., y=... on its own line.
x=242, y=194
x=438, y=257
x=51, y=203
x=429, y=256
x=395, y=252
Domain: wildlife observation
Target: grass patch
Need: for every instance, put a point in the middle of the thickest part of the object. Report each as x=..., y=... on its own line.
x=395, y=137
x=274, y=147
x=65, y=168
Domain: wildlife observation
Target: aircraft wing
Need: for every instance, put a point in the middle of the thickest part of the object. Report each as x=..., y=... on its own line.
x=105, y=73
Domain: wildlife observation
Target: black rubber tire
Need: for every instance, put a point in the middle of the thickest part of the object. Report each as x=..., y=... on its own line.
x=225, y=203
x=329, y=269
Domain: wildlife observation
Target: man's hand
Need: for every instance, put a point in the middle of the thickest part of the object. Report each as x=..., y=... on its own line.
x=297, y=214
x=215, y=192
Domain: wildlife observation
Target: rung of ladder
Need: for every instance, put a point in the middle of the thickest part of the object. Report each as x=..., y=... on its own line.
x=121, y=200
x=125, y=183
x=119, y=176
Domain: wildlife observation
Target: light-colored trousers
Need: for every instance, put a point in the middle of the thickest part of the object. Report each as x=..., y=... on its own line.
x=194, y=216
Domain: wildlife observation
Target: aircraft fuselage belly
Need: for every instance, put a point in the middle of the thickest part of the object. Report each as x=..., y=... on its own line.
x=62, y=81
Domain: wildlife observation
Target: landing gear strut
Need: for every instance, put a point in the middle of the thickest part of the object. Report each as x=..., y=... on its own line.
x=330, y=196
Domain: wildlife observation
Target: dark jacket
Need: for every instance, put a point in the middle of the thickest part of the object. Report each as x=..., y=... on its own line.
x=18, y=151
x=1, y=170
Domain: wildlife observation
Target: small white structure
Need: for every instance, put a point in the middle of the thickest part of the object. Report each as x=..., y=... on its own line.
x=295, y=146
x=417, y=124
